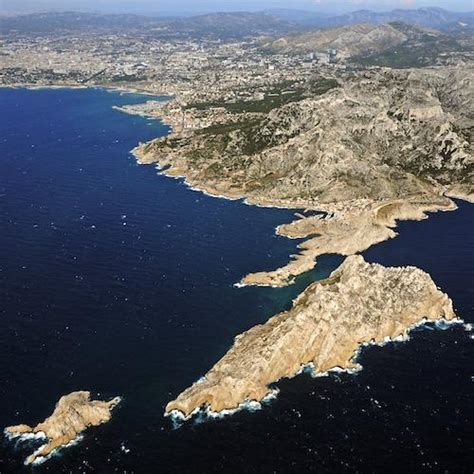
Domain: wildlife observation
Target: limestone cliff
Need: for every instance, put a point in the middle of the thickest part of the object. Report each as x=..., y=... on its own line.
x=328, y=322
x=72, y=415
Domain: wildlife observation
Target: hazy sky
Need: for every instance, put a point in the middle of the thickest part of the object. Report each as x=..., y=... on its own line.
x=174, y=6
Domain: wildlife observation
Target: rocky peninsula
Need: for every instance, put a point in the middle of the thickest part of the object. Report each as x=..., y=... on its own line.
x=359, y=303
x=343, y=236
x=369, y=148
x=73, y=414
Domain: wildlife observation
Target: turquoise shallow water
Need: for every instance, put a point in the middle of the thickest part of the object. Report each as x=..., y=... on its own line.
x=120, y=281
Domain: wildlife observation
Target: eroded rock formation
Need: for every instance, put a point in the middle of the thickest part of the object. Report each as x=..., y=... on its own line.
x=343, y=235
x=329, y=321
x=72, y=415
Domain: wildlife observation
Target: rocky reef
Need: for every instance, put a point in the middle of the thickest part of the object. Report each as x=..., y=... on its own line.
x=72, y=415
x=359, y=303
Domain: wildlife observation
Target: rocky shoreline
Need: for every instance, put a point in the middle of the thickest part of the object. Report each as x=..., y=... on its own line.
x=73, y=414
x=366, y=189
x=358, y=304
x=348, y=232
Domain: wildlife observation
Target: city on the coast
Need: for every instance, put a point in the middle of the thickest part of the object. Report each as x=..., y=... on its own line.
x=357, y=121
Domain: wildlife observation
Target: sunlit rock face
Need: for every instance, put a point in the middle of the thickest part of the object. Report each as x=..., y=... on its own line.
x=329, y=321
x=72, y=415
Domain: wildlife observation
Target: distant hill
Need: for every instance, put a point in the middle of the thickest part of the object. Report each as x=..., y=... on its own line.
x=422, y=47
x=395, y=44
x=229, y=25
x=347, y=40
x=59, y=22
x=298, y=16
x=216, y=25
x=425, y=17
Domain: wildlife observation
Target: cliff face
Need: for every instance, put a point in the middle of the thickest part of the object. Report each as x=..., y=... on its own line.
x=72, y=415
x=328, y=322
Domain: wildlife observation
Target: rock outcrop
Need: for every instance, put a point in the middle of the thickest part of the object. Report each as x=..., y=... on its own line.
x=329, y=321
x=72, y=415
x=343, y=235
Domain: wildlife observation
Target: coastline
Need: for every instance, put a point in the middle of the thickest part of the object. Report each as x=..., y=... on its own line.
x=73, y=414
x=124, y=89
x=378, y=218
x=349, y=231
x=398, y=210
x=178, y=417
x=397, y=364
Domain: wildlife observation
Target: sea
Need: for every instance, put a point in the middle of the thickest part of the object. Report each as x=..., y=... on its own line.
x=120, y=281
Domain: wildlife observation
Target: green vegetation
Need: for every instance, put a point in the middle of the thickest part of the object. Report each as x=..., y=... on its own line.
x=227, y=146
x=276, y=96
x=227, y=127
x=321, y=86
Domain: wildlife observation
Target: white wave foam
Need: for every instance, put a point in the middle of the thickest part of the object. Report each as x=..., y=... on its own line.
x=24, y=436
x=124, y=449
x=203, y=414
x=337, y=370
x=217, y=195
x=446, y=324
x=208, y=193
x=240, y=284
x=55, y=452
x=441, y=324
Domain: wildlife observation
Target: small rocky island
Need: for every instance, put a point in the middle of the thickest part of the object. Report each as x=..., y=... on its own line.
x=73, y=414
x=359, y=303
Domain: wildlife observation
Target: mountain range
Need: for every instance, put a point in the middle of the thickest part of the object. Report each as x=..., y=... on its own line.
x=230, y=25
x=430, y=17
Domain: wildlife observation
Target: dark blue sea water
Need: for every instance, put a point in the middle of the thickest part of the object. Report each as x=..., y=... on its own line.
x=120, y=281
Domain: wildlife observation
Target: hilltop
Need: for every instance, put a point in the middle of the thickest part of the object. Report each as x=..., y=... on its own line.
x=347, y=40
x=395, y=44
x=430, y=17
